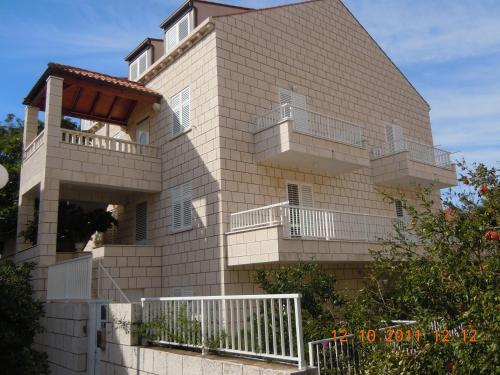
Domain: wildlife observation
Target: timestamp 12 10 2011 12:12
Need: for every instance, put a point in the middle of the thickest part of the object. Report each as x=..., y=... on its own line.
x=395, y=335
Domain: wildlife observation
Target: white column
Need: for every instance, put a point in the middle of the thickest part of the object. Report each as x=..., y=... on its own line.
x=30, y=124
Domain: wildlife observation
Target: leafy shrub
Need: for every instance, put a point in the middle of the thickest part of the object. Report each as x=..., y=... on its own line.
x=20, y=317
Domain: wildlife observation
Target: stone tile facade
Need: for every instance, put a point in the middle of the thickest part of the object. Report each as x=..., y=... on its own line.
x=234, y=66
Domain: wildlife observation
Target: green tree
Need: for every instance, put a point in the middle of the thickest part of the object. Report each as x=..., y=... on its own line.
x=450, y=275
x=319, y=300
x=11, y=144
x=11, y=151
x=20, y=317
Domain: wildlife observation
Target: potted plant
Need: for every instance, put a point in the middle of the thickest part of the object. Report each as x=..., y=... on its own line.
x=76, y=227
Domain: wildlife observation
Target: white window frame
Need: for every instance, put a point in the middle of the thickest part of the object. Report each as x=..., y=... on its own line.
x=136, y=65
x=183, y=196
x=300, y=185
x=178, y=103
x=173, y=32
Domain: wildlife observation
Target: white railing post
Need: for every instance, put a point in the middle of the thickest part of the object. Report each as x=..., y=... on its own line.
x=311, y=355
x=366, y=228
x=203, y=330
x=298, y=327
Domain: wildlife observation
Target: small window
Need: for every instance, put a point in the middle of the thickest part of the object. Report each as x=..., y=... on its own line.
x=142, y=132
x=180, y=104
x=139, y=65
x=182, y=207
x=294, y=105
x=300, y=195
x=399, y=208
x=141, y=222
x=178, y=32
x=394, y=138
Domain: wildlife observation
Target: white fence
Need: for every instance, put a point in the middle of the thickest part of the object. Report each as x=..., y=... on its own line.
x=107, y=143
x=343, y=355
x=33, y=146
x=417, y=152
x=312, y=123
x=316, y=223
x=263, y=326
x=70, y=280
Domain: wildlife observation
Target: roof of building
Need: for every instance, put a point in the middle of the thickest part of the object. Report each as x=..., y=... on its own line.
x=188, y=4
x=54, y=68
x=140, y=47
x=92, y=95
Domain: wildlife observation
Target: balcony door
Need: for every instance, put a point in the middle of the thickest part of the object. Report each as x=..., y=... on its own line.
x=394, y=138
x=142, y=132
x=299, y=196
x=294, y=105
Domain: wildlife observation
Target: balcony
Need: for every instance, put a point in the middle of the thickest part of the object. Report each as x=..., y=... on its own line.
x=408, y=164
x=94, y=160
x=286, y=233
x=291, y=137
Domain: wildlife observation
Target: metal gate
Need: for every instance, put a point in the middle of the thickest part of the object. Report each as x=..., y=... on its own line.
x=96, y=332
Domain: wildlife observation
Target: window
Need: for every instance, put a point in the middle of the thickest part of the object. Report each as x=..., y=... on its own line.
x=399, y=208
x=141, y=222
x=298, y=109
x=394, y=138
x=178, y=32
x=180, y=112
x=139, y=65
x=142, y=132
x=182, y=207
x=182, y=292
x=300, y=194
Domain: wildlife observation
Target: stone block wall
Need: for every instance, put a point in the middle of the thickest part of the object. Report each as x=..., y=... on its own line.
x=65, y=339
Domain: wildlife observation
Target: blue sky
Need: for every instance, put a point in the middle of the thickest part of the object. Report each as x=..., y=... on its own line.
x=449, y=49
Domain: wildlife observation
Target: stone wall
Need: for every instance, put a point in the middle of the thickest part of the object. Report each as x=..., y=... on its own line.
x=122, y=356
x=65, y=339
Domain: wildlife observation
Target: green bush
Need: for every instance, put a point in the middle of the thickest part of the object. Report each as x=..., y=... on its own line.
x=20, y=317
x=450, y=275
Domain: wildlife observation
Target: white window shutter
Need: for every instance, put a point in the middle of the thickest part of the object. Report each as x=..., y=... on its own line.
x=133, y=71
x=306, y=196
x=285, y=97
x=182, y=207
x=300, y=114
x=394, y=137
x=171, y=38
x=143, y=63
x=176, y=114
x=185, y=98
x=187, y=219
x=183, y=25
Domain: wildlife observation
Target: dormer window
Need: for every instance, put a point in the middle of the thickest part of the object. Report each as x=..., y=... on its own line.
x=178, y=32
x=139, y=65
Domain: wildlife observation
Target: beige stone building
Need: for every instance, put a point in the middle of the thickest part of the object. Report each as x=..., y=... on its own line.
x=243, y=138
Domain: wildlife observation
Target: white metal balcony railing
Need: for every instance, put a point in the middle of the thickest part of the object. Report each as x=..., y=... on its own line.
x=312, y=123
x=264, y=326
x=33, y=146
x=107, y=143
x=70, y=280
x=417, y=152
x=316, y=223
x=344, y=355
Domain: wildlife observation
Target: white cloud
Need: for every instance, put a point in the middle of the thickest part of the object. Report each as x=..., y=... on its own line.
x=431, y=31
